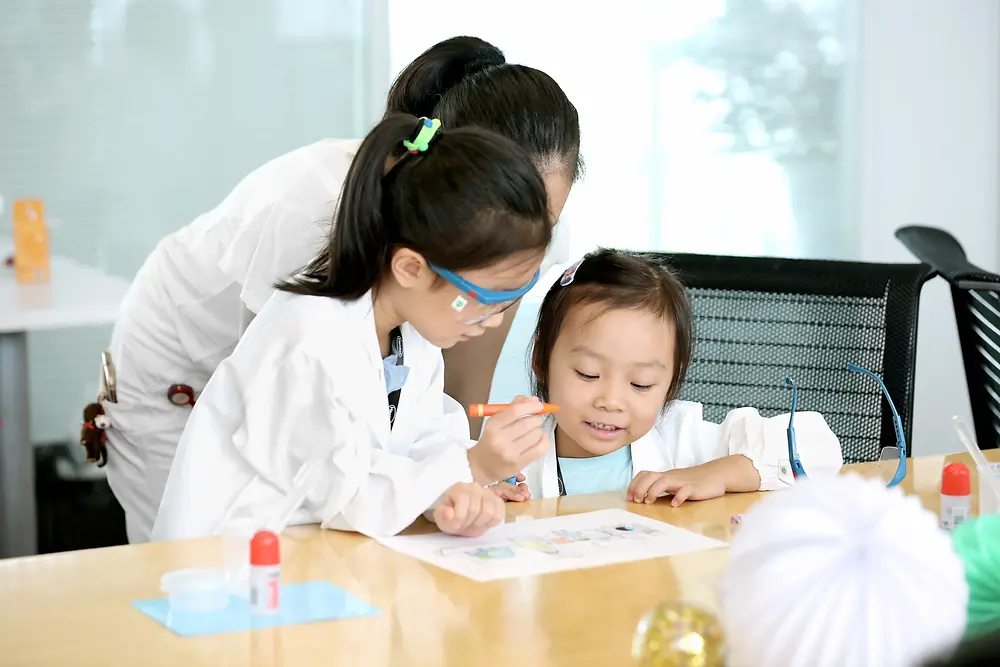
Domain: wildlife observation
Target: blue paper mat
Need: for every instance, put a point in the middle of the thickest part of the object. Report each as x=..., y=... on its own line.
x=300, y=603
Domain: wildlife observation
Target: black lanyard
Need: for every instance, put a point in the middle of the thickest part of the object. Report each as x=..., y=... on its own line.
x=559, y=479
x=396, y=345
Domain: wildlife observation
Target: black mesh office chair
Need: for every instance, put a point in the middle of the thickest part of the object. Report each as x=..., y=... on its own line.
x=758, y=320
x=974, y=293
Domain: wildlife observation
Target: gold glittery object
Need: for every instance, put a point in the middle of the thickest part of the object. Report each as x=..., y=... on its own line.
x=678, y=634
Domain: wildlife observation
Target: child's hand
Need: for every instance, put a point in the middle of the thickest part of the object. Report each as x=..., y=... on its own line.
x=516, y=494
x=469, y=510
x=511, y=439
x=683, y=484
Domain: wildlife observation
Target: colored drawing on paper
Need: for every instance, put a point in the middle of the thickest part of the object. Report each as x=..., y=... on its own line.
x=553, y=544
x=564, y=543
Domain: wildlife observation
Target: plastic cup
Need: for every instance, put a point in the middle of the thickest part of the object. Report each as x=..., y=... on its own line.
x=198, y=590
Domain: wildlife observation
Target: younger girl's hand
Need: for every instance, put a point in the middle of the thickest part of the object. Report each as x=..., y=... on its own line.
x=512, y=493
x=683, y=484
x=468, y=510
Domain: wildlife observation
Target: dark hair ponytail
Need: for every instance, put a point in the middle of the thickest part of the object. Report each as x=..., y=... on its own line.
x=471, y=199
x=467, y=81
x=437, y=70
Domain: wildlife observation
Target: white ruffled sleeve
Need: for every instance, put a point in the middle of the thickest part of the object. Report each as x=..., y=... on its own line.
x=764, y=441
x=689, y=440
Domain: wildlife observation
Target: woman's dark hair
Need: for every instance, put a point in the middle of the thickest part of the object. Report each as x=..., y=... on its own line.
x=471, y=199
x=615, y=279
x=467, y=81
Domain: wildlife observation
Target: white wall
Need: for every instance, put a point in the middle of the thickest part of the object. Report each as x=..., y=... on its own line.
x=928, y=154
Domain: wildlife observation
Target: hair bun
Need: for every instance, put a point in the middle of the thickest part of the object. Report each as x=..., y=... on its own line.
x=482, y=58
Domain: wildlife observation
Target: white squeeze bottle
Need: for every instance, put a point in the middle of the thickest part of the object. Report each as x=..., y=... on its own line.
x=956, y=495
x=265, y=573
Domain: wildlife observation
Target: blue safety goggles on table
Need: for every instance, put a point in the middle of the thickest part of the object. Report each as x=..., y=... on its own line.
x=887, y=453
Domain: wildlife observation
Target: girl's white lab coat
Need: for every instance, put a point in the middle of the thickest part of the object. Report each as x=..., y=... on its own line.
x=195, y=294
x=681, y=438
x=304, y=385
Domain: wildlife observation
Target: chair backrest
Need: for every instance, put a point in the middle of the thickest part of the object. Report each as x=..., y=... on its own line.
x=975, y=295
x=759, y=319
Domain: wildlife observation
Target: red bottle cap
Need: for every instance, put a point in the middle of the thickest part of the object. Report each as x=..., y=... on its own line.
x=955, y=480
x=265, y=548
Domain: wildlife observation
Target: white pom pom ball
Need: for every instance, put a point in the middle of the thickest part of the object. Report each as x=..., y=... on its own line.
x=841, y=572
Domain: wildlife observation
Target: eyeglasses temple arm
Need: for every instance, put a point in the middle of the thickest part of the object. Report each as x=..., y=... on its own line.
x=793, y=452
x=897, y=423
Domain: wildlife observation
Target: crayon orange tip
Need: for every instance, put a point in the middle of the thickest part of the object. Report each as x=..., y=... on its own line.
x=490, y=409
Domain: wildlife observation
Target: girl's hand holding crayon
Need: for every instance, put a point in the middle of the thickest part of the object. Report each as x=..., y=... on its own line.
x=511, y=440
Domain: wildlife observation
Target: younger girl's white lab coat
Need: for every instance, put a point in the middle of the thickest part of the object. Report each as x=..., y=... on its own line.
x=306, y=385
x=681, y=438
x=195, y=294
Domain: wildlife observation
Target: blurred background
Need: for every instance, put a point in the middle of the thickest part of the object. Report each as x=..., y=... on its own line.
x=809, y=128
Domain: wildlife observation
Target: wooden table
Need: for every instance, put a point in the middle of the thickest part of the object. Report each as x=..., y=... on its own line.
x=74, y=608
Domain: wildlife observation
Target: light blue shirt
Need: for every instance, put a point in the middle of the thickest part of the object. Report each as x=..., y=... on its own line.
x=611, y=472
x=395, y=376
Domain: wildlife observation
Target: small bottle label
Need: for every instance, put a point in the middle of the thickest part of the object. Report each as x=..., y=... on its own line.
x=265, y=589
x=954, y=511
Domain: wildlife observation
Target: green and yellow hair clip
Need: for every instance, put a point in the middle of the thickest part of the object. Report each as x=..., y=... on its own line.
x=428, y=129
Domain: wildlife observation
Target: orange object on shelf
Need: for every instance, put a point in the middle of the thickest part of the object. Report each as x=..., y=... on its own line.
x=31, y=242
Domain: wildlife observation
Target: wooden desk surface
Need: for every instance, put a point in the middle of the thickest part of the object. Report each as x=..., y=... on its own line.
x=75, y=608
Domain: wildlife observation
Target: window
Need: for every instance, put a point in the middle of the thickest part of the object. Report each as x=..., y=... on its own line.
x=708, y=125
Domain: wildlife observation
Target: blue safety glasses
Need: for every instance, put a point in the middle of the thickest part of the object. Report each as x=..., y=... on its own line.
x=887, y=453
x=482, y=303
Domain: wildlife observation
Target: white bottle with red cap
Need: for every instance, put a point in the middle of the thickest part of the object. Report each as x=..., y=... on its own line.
x=956, y=495
x=265, y=573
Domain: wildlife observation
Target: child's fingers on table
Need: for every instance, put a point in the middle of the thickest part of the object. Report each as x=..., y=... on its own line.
x=680, y=495
x=510, y=492
x=444, y=517
x=460, y=505
x=664, y=484
x=640, y=485
x=472, y=509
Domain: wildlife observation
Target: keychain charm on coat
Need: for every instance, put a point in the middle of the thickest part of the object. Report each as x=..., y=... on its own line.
x=181, y=395
x=92, y=434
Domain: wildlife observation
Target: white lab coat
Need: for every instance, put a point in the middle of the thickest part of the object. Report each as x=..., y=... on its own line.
x=681, y=438
x=305, y=385
x=193, y=297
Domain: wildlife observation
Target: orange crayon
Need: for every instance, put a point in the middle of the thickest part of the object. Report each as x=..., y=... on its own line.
x=490, y=409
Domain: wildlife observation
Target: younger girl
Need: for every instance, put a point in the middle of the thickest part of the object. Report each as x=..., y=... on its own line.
x=611, y=349
x=340, y=374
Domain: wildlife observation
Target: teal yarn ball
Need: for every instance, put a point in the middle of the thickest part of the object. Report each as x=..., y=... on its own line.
x=977, y=543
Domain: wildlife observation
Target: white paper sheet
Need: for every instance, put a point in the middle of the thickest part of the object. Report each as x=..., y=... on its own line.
x=556, y=544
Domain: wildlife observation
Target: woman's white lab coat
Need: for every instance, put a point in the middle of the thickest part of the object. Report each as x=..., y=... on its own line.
x=681, y=438
x=305, y=385
x=195, y=294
